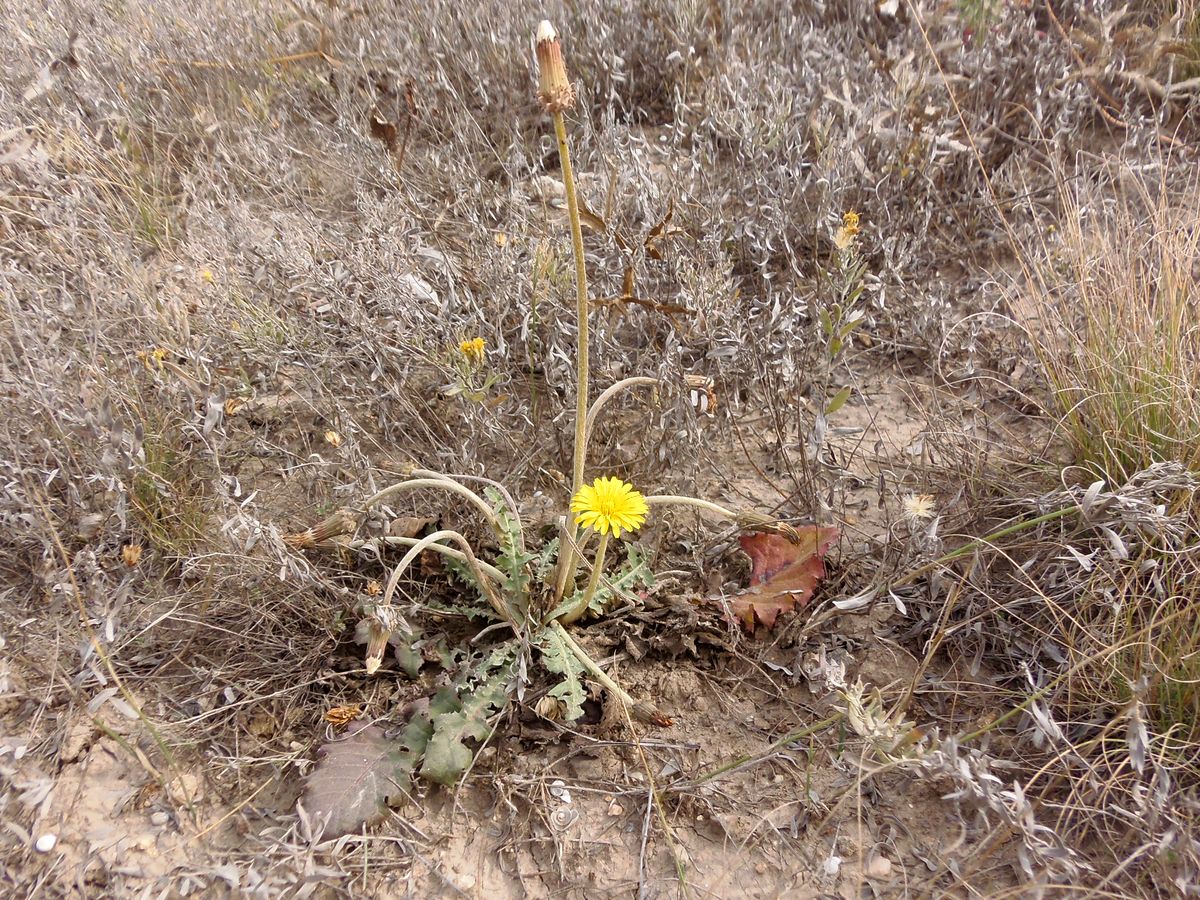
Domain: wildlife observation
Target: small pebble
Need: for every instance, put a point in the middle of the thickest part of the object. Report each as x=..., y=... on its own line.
x=46, y=843
x=159, y=818
x=878, y=867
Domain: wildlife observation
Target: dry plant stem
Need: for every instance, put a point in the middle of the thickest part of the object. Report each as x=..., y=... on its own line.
x=485, y=583
x=102, y=653
x=576, y=613
x=782, y=742
x=439, y=482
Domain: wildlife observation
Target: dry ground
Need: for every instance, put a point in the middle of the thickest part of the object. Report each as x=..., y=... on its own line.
x=238, y=246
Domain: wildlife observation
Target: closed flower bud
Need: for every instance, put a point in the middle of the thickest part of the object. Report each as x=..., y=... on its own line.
x=554, y=89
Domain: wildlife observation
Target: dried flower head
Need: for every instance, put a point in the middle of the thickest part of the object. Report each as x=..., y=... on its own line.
x=338, y=524
x=918, y=507
x=380, y=625
x=848, y=230
x=473, y=350
x=549, y=708
x=554, y=88
x=131, y=554
x=341, y=716
x=609, y=503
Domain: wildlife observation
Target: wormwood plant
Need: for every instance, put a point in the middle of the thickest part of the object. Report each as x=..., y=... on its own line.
x=528, y=597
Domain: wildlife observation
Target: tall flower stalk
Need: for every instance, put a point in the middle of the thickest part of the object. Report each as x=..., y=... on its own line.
x=557, y=96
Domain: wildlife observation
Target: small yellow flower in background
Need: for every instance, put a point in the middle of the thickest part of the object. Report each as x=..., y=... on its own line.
x=333, y=439
x=131, y=554
x=501, y=238
x=848, y=231
x=919, y=507
x=206, y=276
x=473, y=350
x=609, y=503
x=152, y=359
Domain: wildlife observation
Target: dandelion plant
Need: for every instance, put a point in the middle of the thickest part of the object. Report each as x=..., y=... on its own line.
x=527, y=598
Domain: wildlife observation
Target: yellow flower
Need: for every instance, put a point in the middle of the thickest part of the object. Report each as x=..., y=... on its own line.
x=473, y=350
x=850, y=223
x=609, y=503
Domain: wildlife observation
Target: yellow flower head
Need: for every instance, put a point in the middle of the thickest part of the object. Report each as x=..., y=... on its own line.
x=609, y=503
x=850, y=223
x=473, y=350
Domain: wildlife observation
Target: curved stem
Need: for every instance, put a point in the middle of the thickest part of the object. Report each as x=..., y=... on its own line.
x=645, y=712
x=501, y=489
x=426, y=542
x=458, y=555
x=674, y=500
x=443, y=483
x=609, y=393
x=576, y=613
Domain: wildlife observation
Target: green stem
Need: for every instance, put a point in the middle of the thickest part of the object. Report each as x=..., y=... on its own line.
x=984, y=541
x=577, y=612
x=674, y=500
x=581, y=304
x=458, y=555
x=610, y=392
x=782, y=742
x=485, y=583
x=569, y=561
x=444, y=484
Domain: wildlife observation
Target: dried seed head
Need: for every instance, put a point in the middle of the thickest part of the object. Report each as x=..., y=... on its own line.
x=549, y=708
x=554, y=88
x=380, y=625
x=340, y=523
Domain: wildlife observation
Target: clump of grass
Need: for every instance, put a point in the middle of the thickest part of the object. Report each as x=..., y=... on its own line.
x=1113, y=311
x=1121, y=337
x=168, y=490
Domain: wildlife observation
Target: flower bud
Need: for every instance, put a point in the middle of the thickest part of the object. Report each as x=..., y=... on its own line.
x=554, y=89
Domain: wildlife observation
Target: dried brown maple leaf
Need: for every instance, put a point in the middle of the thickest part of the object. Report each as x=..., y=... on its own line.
x=783, y=574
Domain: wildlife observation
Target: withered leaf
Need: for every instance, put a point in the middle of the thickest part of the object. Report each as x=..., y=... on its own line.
x=383, y=130
x=355, y=779
x=784, y=572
